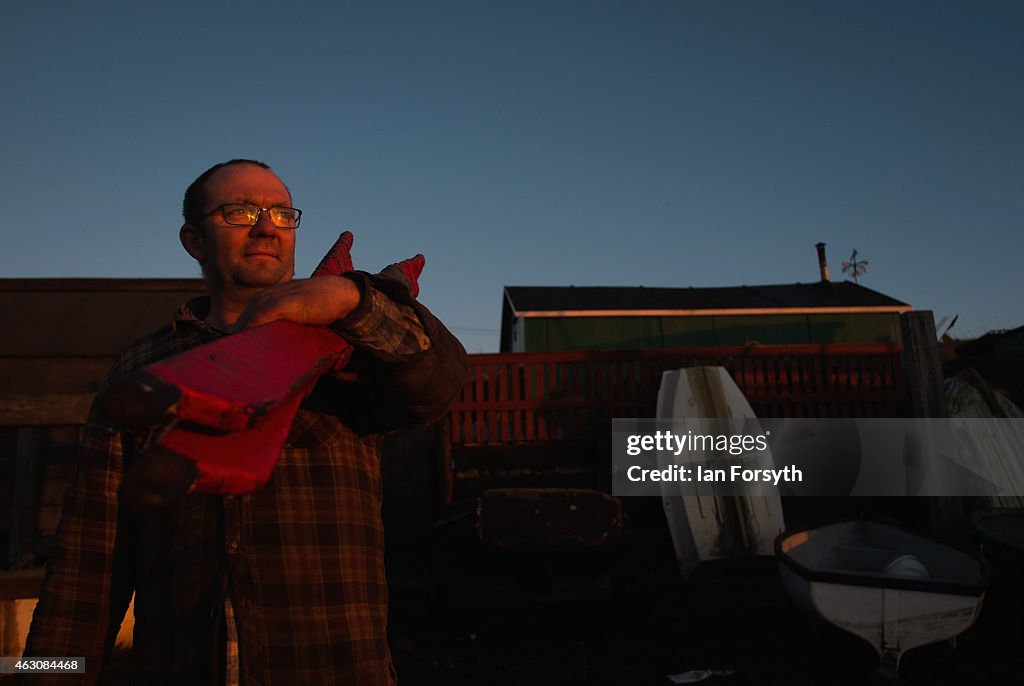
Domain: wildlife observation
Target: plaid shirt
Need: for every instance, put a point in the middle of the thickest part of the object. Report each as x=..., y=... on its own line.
x=303, y=556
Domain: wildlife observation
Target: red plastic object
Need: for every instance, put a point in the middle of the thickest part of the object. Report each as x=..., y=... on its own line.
x=236, y=381
x=235, y=462
x=246, y=388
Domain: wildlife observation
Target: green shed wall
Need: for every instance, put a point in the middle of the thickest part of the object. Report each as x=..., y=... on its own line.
x=595, y=333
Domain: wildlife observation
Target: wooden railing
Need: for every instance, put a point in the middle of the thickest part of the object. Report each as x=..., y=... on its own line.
x=528, y=397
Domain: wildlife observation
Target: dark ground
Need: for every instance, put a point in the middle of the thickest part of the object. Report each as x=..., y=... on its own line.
x=463, y=615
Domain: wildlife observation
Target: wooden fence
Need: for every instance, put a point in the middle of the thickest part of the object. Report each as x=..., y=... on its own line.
x=537, y=397
x=38, y=440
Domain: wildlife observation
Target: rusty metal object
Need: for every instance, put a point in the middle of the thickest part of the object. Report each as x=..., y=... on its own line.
x=548, y=519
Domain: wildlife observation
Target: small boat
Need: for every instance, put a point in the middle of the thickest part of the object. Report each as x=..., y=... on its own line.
x=894, y=589
x=706, y=526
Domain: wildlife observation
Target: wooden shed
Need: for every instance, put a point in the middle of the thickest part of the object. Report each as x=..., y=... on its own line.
x=549, y=318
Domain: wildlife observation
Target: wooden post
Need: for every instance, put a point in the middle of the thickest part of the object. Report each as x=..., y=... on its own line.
x=922, y=365
x=26, y=488
x=923, y=369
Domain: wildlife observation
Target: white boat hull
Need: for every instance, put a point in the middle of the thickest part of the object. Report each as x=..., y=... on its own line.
x=859, y=580
x=707, y=527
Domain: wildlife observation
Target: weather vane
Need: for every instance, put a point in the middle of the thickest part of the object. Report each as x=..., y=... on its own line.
x=854, y=266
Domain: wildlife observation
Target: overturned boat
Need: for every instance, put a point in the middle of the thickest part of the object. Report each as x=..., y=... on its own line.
x=704, y=525
x=894, y=589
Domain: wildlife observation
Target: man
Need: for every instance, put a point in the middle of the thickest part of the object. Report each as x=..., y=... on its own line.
x=284, y=586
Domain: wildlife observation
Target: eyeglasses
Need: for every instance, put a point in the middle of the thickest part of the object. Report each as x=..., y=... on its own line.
x=244, y=214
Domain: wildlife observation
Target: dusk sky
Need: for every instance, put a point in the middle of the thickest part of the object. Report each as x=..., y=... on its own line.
x=536, y=143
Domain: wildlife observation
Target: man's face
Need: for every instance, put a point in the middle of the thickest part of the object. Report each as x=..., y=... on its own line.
x=255, y=256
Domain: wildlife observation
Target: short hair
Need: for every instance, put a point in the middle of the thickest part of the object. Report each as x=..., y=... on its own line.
x=192, y=206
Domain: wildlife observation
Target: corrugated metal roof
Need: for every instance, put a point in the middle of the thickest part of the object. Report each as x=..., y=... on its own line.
x=540, y=299
x=85, y=317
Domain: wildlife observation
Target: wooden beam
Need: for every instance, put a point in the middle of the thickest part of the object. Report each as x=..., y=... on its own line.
x=101, y=284
x=708, y=352
x=55, y=409
x=710, y=312
x=923, y=369
x=23, y=583
x=922, y=365
x=25, y=497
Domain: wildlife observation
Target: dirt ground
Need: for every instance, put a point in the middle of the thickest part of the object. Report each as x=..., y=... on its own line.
x=472, y=617
x=464, y=616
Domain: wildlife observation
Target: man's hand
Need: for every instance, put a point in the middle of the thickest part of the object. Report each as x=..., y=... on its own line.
x=315, y=302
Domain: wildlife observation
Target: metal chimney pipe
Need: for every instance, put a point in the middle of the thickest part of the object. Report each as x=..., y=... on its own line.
x=822, y=262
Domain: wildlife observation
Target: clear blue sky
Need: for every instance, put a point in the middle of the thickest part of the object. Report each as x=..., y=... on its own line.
x=536, y=143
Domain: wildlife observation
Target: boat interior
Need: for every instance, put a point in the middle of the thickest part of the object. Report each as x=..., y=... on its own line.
x=875, y=549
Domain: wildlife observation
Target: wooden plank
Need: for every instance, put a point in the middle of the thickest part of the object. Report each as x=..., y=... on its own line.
x=565, y=401
x=508, y=381
x=515, y=373
x=604, y=394
x=794, y=382
x=456, y=420
x=26, y=487
x=802, y=372
x=530, y=416
x=922, y=366
x=713, y=353
x=585, y=415
x=17, y=409
x=500, y=394
x=762, y=375
x=819, y=383
x=923, y=370
x=561, y=405
x=474, y=416
x=488, y=388
x=544, y=371
x=633, y=387
x=570, y=416
x=877, y=372
x=468, y=418
x=570, y=394
x=563, y=394
x=593, y=384
x=22, y=583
